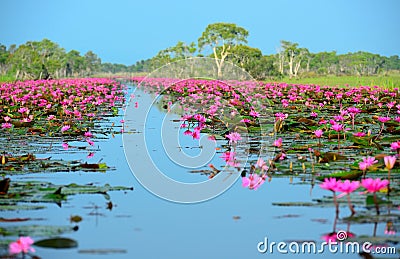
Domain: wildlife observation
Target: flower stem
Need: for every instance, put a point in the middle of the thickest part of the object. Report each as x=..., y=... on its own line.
x=350, y=205
x=376, y=204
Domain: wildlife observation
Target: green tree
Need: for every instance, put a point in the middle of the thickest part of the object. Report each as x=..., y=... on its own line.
x=92, y=62
x=221, y=37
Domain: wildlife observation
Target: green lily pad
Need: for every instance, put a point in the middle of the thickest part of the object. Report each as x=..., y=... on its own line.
x=58, y=243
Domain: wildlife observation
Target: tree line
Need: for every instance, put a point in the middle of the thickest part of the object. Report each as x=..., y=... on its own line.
x=228, y=42
x=225, y=42
x=46, y=59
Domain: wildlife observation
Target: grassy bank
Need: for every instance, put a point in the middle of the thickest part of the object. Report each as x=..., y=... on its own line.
x=390, y=81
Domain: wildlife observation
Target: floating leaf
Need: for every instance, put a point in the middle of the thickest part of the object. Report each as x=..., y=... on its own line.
x=58, y=243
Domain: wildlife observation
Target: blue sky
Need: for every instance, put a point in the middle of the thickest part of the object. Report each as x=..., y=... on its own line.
x=123, y=31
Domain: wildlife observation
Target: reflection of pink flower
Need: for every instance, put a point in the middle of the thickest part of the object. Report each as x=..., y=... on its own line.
x=22, y=245
x=65, y=146
x=228, y=156
x=278, y=142
x=261, y=164
x=90, y=155
x=196, y=134
x=90, y=142
x=330, y=237
x=374, y=185
x=187, y=133
x=233, y=137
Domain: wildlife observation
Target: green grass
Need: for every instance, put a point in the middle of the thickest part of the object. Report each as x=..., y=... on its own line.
x=390, y=81
x=6, y=78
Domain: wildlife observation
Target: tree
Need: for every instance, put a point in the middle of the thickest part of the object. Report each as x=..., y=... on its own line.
x=225, y=36
x=92, y=62
x=290, y=54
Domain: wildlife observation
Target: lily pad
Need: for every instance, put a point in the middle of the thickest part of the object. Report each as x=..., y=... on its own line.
x=58, y=243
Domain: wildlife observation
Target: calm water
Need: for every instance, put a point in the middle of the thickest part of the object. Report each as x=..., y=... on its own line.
x=146, y=226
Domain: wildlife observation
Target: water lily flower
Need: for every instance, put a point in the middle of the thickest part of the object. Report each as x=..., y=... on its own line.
x=318, y=133
x=88, y=134
x=278, y=142
x=281, y=116
x=254, y=114
x=374, y=185
x=22, y=245
x=330, y=184
x=395, y=146
x=7, y=119
x=233, y=137
x=337, y=127
x=65, y=128
x=6, y=125
x=359, y=134
x=384, y=119
x=314, y=114
x=389, y=161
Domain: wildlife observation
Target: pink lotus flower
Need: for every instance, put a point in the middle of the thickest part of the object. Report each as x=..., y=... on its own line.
x=348, y=186
x=318, y=133
x=314, y=114
x=395, y=146
x=374, y=185
x=88, y=134
x=363, y=166
x=7, y=119
x=278, y=142
x=65, y=128
x=254, y=114
x=337, y=127
x=22, y=245
x=245, y=120
x=353, y=110
x=383, y=119
x=281, y=116
x=389, y=161
x=199, y=118
x=6, y=125
x=359, y=134
x=370, y=161
x=330, y=184
x=50, y=117
x=233, y=137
